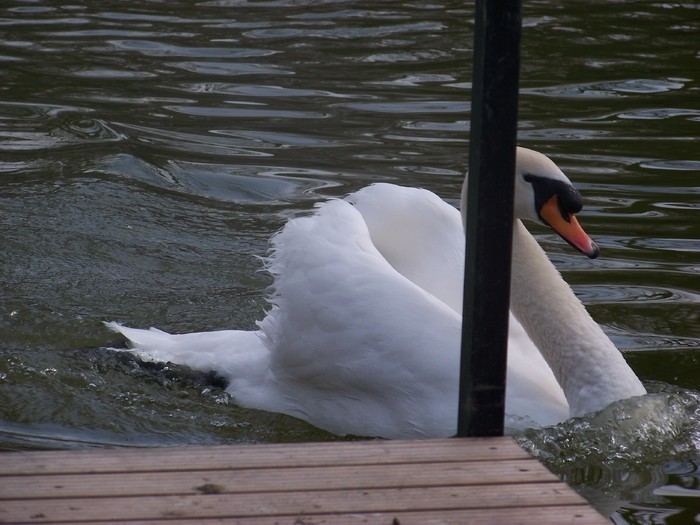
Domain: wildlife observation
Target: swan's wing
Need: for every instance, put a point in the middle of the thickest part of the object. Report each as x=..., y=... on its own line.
x=419, y=234
x=354, y=343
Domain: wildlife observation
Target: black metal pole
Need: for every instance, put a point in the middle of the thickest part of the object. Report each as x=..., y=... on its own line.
x=489, y=217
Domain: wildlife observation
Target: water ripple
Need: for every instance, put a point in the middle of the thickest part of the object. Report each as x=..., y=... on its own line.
x=33, y=21
x=43, y=127
x=619, y=88
x=247, y=112
x=343, y=32
x=113, y=74
x=671, y=164
x=660, y=114
x=145, y=17
x=160, y=49
x=636, y=293
x=207, y=143
x=424, y=106
x=263, y=184
x=227, y=142
x=230, y=68
x=261, y=91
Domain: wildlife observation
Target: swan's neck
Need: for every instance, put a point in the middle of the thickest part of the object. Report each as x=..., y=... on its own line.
x=587, y=365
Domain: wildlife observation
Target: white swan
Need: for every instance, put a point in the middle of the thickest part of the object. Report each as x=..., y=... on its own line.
x=364, y=331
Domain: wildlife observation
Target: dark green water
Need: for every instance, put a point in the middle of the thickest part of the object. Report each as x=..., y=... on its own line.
x=148, y=150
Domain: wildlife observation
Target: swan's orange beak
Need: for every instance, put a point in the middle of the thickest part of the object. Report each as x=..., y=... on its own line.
x=566, y=225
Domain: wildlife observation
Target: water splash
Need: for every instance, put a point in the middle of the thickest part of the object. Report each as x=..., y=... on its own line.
x=624, y=453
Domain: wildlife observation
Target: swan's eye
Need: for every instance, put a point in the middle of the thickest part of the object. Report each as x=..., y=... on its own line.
x=568, y=197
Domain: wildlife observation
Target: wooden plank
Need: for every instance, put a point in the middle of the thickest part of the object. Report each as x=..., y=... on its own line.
x=244, y=480
x=295, y=503
x=259, y=456
x=380, y=482
x=573, y=515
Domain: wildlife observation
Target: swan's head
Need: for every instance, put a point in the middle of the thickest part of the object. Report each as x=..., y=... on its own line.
x=545, y=195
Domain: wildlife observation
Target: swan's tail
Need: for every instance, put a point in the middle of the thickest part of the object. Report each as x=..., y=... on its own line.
x=235, y=355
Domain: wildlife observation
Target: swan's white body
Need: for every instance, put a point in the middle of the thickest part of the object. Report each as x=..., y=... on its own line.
x=363, y=335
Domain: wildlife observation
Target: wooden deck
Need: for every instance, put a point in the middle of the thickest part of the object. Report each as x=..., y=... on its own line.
x=475, y=481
